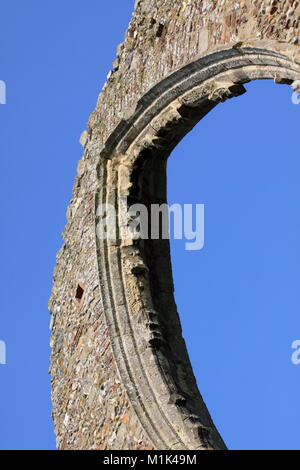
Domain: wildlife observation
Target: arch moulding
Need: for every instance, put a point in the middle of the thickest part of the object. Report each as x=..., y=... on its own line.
x=121, y=376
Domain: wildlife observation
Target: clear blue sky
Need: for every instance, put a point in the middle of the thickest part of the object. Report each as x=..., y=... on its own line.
x=238, y=297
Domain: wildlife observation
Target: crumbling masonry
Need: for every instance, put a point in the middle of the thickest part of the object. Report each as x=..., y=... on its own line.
x=121, y=376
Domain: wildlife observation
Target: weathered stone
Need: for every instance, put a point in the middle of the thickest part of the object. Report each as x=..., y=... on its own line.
x=121, y=376
x=83, y=138
x=296, y=85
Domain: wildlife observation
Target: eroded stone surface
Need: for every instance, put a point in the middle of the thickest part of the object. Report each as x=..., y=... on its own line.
x=97, y=404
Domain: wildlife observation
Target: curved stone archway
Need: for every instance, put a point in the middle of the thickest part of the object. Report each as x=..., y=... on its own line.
x=121, y=376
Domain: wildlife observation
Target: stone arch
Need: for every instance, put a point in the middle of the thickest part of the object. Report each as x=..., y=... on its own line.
x=122, y=347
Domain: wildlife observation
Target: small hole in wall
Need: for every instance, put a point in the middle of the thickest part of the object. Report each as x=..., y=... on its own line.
x=159, y=30
x=79, y=292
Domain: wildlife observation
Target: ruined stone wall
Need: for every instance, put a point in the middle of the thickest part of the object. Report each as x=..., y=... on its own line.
x=112, y=386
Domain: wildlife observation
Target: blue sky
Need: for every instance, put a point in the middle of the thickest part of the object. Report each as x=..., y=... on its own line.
x=238, y=297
